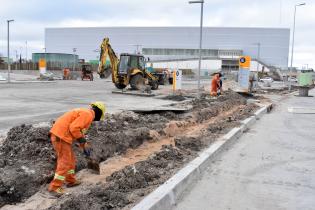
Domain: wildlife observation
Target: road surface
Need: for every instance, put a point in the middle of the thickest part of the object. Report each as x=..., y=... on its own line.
x=272, y=166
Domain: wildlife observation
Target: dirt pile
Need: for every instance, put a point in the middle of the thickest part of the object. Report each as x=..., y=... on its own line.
x=26, y=162
x=205, y=109
x=27, y=159
x=127, y=185
x=192, y=143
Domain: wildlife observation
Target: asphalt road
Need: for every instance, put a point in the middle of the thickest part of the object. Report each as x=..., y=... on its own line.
x=37, y=102
x=269, y=167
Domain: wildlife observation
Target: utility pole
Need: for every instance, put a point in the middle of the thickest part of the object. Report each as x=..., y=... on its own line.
x=200, y=39
x=26, y=55
x=292, y=49
x=26, y=50
x=258, y=56
x=74, y=50
x=9, y=65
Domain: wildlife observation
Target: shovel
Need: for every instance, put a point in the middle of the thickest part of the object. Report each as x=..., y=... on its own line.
x=92, y=164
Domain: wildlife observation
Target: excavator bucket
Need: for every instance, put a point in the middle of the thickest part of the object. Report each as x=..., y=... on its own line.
x=107, y=72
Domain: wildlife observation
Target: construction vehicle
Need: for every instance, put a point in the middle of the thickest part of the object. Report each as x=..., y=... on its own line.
x=128, y=70
x=86, y=72
x=161, y=73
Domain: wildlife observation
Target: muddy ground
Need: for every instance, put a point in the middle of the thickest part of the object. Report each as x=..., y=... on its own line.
x=27, y=159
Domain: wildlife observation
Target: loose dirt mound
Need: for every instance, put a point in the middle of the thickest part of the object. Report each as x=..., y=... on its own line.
x=27, y=158
x=26, y=162
x=126, y=185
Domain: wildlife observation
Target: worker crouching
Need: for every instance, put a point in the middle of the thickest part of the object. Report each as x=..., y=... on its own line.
x=68, y=129
x=215, y=85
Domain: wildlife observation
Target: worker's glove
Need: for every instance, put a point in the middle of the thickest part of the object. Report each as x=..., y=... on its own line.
x=87, y=151
x=81, y=140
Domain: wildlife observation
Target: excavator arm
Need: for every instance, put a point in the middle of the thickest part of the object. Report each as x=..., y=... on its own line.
x=107, y=51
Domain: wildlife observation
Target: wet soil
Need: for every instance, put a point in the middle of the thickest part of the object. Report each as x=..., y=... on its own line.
x=27, y=159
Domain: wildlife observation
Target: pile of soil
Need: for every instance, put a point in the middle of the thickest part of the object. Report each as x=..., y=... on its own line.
x=27, y=159
x=26, y=162
x=127, y=185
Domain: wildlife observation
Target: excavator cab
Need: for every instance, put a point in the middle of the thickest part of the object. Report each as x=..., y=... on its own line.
x=128, y=62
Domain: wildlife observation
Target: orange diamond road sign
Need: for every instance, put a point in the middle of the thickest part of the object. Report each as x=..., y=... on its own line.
x=244, y=61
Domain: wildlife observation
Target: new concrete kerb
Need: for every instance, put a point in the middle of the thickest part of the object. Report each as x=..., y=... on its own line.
x=165, y=196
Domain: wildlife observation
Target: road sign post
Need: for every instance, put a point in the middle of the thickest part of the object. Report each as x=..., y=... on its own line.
x=243, y=74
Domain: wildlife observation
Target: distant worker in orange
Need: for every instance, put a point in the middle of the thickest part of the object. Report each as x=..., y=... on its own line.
x=66, y=74
x=215, y=84
x=67, y=129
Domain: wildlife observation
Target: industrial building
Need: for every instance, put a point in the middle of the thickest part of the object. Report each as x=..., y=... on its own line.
x=57, y=60
x=176, y=45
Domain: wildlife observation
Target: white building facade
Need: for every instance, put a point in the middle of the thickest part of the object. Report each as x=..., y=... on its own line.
x=175, y=44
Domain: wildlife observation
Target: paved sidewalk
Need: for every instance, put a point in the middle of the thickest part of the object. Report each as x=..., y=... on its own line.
x=272, y=166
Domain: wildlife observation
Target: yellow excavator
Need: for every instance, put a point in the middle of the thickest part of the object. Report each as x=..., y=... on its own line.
x=128, y=70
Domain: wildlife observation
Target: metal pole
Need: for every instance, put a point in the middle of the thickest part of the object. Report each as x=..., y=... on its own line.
x=45, y=58
x=200, y=47
x=26, y=56
x=74, y=50
x=9, y=67
x=200, y=40
x=280, y=18
x=258, y=56
x=292, y=49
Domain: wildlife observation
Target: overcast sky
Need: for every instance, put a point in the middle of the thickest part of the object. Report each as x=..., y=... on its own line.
x=33, y=16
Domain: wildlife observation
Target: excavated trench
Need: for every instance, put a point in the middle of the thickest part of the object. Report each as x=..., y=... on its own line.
x=27, y=159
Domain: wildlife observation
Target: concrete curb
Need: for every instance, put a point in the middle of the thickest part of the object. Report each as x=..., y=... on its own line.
x=26, y=82
x=165, y=196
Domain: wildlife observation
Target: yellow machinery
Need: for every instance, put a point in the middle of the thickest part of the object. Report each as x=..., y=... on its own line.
x=129, y=69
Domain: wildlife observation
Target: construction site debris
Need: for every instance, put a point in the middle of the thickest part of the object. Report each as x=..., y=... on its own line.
x=27, y=158
x=127, y=185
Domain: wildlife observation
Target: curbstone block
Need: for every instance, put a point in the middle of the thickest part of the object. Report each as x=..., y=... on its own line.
x=248, y=122
x=260, y=112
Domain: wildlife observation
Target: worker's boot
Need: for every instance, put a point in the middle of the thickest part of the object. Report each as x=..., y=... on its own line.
x=57, y=192
x=76, y=183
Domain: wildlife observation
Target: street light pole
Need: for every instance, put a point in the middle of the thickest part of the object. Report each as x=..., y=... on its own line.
x=9, y=65
x=292, y=49
x=74, y=50
x=200, y=40
x=258, y=56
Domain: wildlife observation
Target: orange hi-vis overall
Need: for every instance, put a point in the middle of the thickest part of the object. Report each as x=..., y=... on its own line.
x=214, y=85
x=68, y=128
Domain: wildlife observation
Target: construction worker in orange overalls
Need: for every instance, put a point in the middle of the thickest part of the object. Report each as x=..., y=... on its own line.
x=215, y=83
x=67, y=129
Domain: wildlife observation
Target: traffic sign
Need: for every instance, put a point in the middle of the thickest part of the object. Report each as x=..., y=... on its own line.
x=244, y=62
